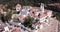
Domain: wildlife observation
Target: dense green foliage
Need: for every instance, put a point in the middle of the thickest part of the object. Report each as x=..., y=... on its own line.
x=28, y=21
x=16, y=20
x=57, y=15
x=56, y=11
x=27, y=2
x=8, y=16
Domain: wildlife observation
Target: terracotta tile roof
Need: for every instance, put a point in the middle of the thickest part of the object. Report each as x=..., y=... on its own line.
x=18, y=5
x=31, y=14
x=21, y=18
x=16, y=30
x=35, y=9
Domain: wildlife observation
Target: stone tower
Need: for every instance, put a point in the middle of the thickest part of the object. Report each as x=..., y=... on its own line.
x=42, y=7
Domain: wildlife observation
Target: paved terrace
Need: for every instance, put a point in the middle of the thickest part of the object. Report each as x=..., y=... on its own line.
x=53, y=26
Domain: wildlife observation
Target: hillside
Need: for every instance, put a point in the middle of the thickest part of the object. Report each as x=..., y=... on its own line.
x=55, y=7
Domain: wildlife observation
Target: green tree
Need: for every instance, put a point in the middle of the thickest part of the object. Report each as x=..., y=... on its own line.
x=56, y=11
x=57, y=15
x=28, y=21
x=0, y=15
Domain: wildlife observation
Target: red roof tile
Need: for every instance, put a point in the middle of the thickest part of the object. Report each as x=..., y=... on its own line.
x=16, y=30
x=18, y=5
